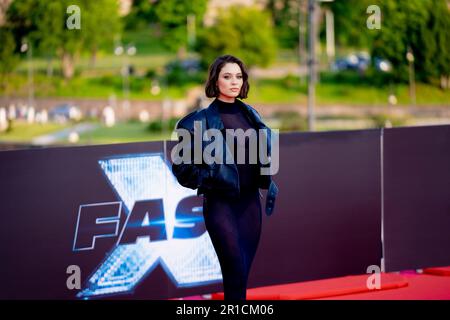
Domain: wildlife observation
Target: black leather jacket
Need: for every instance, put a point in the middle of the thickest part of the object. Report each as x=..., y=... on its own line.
x=216, y=177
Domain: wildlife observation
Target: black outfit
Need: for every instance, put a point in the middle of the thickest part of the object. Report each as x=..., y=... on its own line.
x=206, y=177
x=233, y=118
x=234, y=223
x=231, y=207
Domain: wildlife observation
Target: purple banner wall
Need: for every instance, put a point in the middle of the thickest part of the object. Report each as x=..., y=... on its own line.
x=416, y=197
x=327, y=222
x=117, y=213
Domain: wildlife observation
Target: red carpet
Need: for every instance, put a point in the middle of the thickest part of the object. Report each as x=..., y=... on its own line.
x=420, y=287
x=321, y=288
x=433, y=284
x=439, y=271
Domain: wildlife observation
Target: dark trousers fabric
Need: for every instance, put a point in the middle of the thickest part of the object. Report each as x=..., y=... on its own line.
x=234, y=226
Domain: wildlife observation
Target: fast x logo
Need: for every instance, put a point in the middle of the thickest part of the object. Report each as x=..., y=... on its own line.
x=164, y=225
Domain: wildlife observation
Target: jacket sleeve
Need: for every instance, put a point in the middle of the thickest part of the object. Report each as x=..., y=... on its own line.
x=190, y=175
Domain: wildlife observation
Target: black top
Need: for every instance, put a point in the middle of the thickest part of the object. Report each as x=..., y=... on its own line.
x=233, y=117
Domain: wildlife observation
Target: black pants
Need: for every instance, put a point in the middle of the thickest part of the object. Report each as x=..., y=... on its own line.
x=234, y=225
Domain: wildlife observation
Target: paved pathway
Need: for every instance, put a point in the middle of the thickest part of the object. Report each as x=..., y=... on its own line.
x=58, y=136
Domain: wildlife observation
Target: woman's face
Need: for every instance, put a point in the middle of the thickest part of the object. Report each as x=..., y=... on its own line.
x=230, y=81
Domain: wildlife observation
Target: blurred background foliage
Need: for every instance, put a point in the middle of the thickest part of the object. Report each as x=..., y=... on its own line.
x=166, y=47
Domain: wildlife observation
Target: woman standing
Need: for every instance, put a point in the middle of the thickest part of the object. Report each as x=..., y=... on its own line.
x=231, y=203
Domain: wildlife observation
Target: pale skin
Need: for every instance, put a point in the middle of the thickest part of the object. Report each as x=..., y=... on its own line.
x=230, y=82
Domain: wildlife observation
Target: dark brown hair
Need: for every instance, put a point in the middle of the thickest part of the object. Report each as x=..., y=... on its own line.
x=211, y=89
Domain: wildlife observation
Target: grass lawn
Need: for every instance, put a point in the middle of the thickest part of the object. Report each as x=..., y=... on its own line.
x=267, y=91
x=104, y=80
x=289, y=91
x=134, y=131
x=105, y=63
x=91, y=87
x=24, y=132
x=145, y=41
x=122, y=133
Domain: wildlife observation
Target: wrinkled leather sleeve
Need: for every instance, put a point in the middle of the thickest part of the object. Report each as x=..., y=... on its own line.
x=190, y=175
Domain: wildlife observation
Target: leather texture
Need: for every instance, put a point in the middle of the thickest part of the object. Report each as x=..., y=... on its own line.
x=222, y=177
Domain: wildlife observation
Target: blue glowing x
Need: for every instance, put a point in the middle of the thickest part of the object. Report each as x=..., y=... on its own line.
x=188, y=262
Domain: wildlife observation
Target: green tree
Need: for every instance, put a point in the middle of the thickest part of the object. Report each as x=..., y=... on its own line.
x=8, y=59
x=43, y=23
x=285, y=17
x=103, y=23
x=418, y=25
x=350, y=22
x=437, y=57
x=45, y=36
x=172, y=17
x=242, y=31
x=21, y=19
x=141, y=15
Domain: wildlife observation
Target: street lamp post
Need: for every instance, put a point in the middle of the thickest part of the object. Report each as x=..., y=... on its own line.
x=330, y=35
x=28, y=48
x=301, y=40
x=312, y=63
x=191, y=31
x=126, y=52
x=412, y=81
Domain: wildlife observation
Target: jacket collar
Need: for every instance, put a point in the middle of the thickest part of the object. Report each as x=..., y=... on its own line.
x=213, y=116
